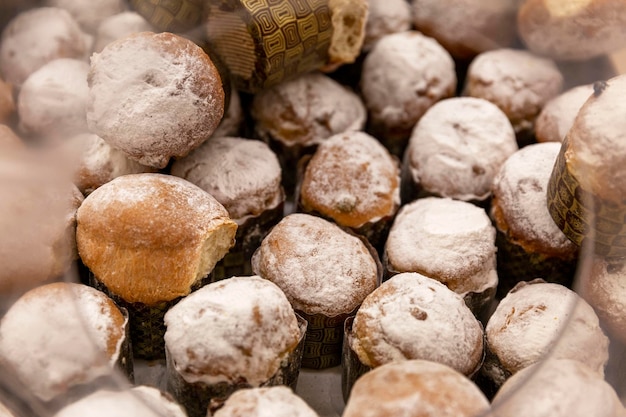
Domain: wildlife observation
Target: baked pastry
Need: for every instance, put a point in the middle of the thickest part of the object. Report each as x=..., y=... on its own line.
x=233, y=121
x=557, y=116
x=448, y=240
x=7, y=102
x=118, y=26
x=353, y=180
x=60, y=337
x=530, y=244
x=149, y=239
x=244, y=176
x=54, y=32
x=403, y=75
x=456, y=149
x=385, y=17
x=517, y=81
x=228, y=335
x=325, y=273
x=156, y=112
x=467, y=28
x=278, y=401
x=89, y=14
x=557, y=388
x=536, y=320
x=415, y=388
x=572, y=30
x=52, y=100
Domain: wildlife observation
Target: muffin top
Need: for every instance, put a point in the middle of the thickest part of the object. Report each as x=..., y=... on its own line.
x=321, y=268
x=277, y=401
x=234, y=329
x=557, y=116
x=117, y=26
x=411, y=316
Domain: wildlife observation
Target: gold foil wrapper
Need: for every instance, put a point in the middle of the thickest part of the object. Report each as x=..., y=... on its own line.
x=586, y=219
x=170, y=15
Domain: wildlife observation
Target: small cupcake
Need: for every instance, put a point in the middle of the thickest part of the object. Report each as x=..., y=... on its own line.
x=557, y=116
x=62, y=340
x=89, y=14
x=149, y=239
x=117, y=26
x=325, y=273
x=448, y=240
x=278, y=401
x=415, y=388
x=237, y=333
x=245, y=177
x=456, y=149
x=385, y=17
x=354, y=181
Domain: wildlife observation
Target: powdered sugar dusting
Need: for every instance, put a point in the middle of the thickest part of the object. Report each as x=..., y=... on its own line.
x=385, y=17
x=119, y=25
x=557, y=116
x=277, y=401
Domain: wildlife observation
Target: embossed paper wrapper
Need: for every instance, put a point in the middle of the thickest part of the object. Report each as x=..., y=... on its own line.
x=584, y=216
x=198, y=397
x=171, y=15
x=248, y=238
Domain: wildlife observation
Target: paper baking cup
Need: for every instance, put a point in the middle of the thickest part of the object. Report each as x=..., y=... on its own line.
x=324, y=339
x=199, y=397
x=264, y=42
x=582, y=216
x=170, y=15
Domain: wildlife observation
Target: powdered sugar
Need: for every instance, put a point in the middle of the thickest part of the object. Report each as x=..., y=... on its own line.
x=557, y=116
x=385, y=17
x=119, y=25
x=277, y=401
x=88, y=13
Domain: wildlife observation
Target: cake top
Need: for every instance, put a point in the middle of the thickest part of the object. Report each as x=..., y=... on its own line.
x=242, y=174
x=415, y=388
x=557, y=116
x=60, y=335
x=351, y=179
x=537, y=319
x=117, y=26
x=277, y=401
x=450, y=240
x=321, y=268
x=411, y=316
x=458, y=146
x=234, y=329
x=89, y=14
x=385, y=17
x=521, y=208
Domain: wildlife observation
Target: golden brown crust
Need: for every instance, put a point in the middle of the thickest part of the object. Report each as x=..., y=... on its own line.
x=348, y=18
x=150, y=237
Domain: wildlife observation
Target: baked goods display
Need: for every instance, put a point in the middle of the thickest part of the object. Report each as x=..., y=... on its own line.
x=374, y=163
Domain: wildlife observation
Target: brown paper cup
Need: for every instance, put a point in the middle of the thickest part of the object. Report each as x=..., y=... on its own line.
x=199, y=397
x=170, y=15
x=324, y=339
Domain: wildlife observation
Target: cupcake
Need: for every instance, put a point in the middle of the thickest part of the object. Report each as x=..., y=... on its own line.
x=325, y=273
x=278, y=401
x=88, y=14
x=232, y=334
x=149, y=239
x=118, y=26
x=385, y=17
x=557, y=116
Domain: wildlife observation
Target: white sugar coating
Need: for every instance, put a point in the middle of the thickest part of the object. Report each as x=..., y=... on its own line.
x=139, y=401
x=60, y=335
x=233, y=119
x=237, y=329
x=38, y=36
x=385, y=17
x=88, y=13
x=277, y=401
x=557, y=388
x=117, y=26
x=597, y=149
x=521, y=192
x=411, y=316
x=517, y=81
x=449, y=240
x=403, y=75
x=154, y=96
x=306, y=110
x=353, y=179
x=52, y=101
x=458, y=146
x=540, y=319
x=557, y=116
x=321, y=268
x=242, y=174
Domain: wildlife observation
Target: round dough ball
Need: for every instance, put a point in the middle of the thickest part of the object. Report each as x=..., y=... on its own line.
x=88, y=13
x=119, y=25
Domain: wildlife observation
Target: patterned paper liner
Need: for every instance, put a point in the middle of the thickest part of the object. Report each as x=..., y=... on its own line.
x=582, y=216
x=170, y=15
x=199, y=397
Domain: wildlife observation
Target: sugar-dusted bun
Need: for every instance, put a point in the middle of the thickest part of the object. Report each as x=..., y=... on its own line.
x=351, y=179
x=469, y=27
x=52, y=100
x=411, y=316
x=7, y=102
x=321, y=268
x=572, y=30
x=557, y=116
x=385, y=17
x=149, y=237
x=557, y=388
x=118, y=26
x=61, y=335
x=348, y=19
x=165, y=99
x=236, y=330
x=537, y=319
x=47, y=33
x=278, y=401
x=232, y=122
x=139, y=401
x=88, y=14
x=415, y=388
